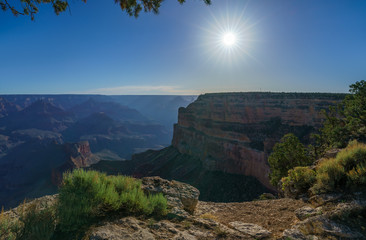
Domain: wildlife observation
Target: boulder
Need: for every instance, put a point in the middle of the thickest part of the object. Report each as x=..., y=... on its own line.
x=178, y=194
x=306, y=212
x=322, y=226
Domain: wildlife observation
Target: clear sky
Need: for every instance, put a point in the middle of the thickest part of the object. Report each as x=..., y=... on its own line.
x=282, y=45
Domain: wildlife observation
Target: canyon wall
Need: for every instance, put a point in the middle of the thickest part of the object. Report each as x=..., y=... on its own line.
x=235, y=132
x=78, y=155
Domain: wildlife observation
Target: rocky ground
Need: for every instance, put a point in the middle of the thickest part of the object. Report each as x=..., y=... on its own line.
x=332, y=216
x=274, y=215
x=265, y=219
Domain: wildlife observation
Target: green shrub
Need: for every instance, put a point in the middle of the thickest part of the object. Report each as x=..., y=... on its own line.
x=330, y=176
x=353, y=158
x=346, y=121
x=357, y=175
x=80, y=196
x=346, y=171
x=8, y=227
x=33, y=223
x=86, y=195
x=298, y=181
x=287, y=154
x=124, y=183
x=135, y=201
x=37, y=223
x=158, y=204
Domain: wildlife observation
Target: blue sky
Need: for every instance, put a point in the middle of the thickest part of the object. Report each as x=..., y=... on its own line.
x=283, y=45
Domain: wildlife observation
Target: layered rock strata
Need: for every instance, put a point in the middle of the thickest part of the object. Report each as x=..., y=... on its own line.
x=78, y=155
x=235, y=132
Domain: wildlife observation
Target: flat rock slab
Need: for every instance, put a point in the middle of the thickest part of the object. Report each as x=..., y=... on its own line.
x=116, y=232
x=251, y=229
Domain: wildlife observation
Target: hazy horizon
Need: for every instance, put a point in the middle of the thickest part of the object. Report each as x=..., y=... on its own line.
x=183, y=95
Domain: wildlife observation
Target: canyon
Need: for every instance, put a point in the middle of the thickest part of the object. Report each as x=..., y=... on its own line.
x=42, y=136
x=235, y=132
x=222, y=141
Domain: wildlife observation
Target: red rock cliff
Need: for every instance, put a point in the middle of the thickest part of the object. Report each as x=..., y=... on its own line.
x=235, y=132
x=78, y=155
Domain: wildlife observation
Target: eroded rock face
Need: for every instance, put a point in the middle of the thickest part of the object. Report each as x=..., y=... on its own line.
x=235, y=132
x=79, y=155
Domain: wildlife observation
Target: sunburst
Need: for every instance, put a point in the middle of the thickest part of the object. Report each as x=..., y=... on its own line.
x=228, y=37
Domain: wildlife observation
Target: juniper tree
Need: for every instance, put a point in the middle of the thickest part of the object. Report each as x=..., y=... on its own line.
x=31, y=7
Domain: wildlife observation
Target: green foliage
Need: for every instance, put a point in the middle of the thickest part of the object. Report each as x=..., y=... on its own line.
x=330, y=176
x=31, y=7
x=86, y=195
x=79, y=199
x=132, y=7
x=287, y=154
x=298, y=181
x=347, y=121
x=346, y=171
x=158, y=203
x=37, y=223
x=8, y=227
x=33, y=223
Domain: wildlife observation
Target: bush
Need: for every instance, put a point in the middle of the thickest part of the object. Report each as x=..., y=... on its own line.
x=158, y=204
x=37, y=223
x=347, y=170
x=86, y=195
x=80, y=196
x=8, y=227
x=287, y=154
x=330, y=176
x=298, y=181
x=353, y=159
x=346, y=121
x=33, y=223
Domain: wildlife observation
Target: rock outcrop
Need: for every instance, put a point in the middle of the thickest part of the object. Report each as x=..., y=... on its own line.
x=179, y=195
x=78, y=155
x=332, y=216
x=235, y=132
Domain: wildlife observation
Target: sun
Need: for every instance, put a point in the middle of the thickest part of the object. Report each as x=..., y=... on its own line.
x=229, y=39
